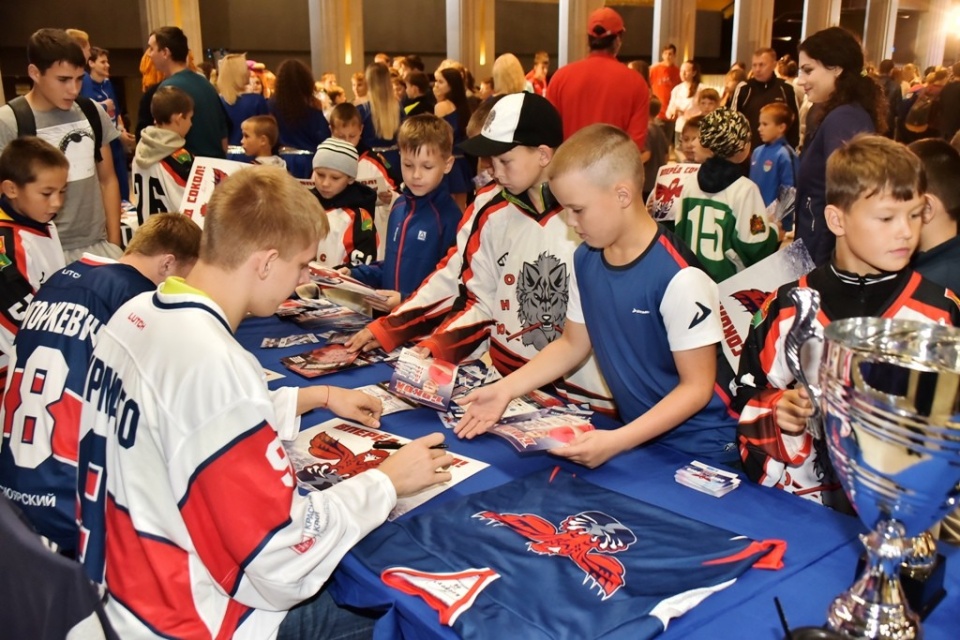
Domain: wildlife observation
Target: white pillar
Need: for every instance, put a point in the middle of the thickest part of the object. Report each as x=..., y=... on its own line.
x=752, y=28
x=573, y=29
x=818, y=15
x=173, y=13
x=879, y=28
x=674, y=21
x=470, y=34
x=336, y=38
x=932, y=33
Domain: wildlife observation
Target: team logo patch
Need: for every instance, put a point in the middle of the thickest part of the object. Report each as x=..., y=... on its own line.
x=756, y=224
x=767, y=166
x=542, y=292
x=182, y=156
x=761, y=315
x=663, y=198
x=337, y=462
x=4, y=260
x=366, y=221
x=751, y=299
x=588, y=539
x=422, y=235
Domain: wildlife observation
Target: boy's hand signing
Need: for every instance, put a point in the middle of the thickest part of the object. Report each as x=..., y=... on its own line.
x=416, y=466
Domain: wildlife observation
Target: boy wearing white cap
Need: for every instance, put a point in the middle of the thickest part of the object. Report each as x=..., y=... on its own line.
x=352, y=240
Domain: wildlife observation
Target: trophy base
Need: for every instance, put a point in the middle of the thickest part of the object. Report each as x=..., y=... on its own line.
x=923, y=593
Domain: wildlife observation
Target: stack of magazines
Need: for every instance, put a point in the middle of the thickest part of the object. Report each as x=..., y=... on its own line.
x=706, y=479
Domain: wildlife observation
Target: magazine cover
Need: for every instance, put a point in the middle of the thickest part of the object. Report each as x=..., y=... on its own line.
x=664, y=200
x=426, y=380
x=332, y=279
x=741, y=295
x=331, y=316
x=541, y=430
x=336, y=450
x=289, y=341
x=205, y=175
x=320, y=361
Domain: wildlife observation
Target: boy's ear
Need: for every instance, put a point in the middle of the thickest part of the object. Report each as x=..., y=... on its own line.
x=834, y=217
x=625, y=194
x=546, y=154
x=9, y=188
x=264, y=262
x=933, y=209
x=448, y=164
x=34, y=72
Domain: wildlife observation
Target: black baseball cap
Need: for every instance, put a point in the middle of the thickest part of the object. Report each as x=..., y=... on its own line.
x=519, y=119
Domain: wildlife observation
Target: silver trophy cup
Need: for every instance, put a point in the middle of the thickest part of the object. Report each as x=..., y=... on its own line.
x=889, y=396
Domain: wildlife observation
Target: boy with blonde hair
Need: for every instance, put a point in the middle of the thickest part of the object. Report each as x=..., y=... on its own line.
x=161, y=163
x=186, y=465
x=33, y=183
x=423, y=223
x=59, y=331
x=639, y=302
x=259, y=135
x=875, y=207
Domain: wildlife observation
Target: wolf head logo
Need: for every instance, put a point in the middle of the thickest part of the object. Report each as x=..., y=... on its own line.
x=542, y=293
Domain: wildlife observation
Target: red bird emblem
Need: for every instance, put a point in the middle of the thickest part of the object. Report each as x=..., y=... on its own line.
x=339, y=463
x=585, y=538
x=751, y=299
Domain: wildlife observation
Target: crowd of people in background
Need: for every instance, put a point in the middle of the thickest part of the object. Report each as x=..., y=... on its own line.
x=642, y=182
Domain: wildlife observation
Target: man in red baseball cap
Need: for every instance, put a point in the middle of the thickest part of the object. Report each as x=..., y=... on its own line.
x=600, y=88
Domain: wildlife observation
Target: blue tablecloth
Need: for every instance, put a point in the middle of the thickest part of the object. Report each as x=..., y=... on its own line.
x=822, y=545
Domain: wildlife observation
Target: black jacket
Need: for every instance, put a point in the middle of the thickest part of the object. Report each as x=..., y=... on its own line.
x=750, y=96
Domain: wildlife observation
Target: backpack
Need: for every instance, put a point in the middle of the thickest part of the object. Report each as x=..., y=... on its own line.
x=923, y=112
x=27, y=123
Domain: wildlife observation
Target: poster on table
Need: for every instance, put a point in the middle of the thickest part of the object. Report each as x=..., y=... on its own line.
x=742, y=295
x=337, y=450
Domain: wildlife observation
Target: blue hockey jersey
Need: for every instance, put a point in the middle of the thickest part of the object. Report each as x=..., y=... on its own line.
x=557, y=557
x=40, y=412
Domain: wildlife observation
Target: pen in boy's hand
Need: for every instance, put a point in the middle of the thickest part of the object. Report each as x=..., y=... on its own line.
x=397, y=445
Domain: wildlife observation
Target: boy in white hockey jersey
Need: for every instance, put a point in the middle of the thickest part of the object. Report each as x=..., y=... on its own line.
x=161, y=163
x=349, y=205
x=33, y=181
x=198, y=501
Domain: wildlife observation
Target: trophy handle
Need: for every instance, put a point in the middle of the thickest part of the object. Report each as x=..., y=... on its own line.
x=807, y=303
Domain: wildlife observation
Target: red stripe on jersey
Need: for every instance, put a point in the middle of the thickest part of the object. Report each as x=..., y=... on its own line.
x=769, y=352
x=672, y=250
x=348, y=240
x=11, y=401
x=236, y=500
x=505, y=360
x=232, y=618
x=173, y=174
x=929, y=311
x=64, y=442
x=903, y=299
x=473, y=243
x=150, y=577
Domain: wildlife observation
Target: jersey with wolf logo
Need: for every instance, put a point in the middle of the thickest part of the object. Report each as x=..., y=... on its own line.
x=798, y=463
x=475, y=293
x=558, y=558
x=516, y=278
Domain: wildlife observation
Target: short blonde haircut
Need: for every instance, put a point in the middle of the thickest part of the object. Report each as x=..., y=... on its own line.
x=260, y=208
x=869, y=165
x=425, y=130
x=265, y=126
x=165, y=233
x=604, y=150
x=232, y=76
x=508, y=76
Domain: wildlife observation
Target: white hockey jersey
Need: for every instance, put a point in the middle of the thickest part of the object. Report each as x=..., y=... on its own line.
x=372, y=173
x=161, y=167
x=189, y=510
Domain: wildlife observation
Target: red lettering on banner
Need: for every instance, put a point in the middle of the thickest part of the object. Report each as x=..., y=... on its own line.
x=730, y=333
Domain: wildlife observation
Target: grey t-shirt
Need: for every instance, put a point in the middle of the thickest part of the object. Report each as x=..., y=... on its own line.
x=82, y=221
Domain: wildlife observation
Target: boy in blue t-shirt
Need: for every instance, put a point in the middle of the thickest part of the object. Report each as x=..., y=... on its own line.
x=639, y=300
x=774, y=163
x=423, y=222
